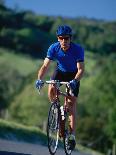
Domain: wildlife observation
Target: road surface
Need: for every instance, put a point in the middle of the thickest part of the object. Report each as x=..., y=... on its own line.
x=21, y=148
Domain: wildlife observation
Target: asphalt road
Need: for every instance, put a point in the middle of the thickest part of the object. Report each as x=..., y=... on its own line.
x=21, y=148
x=11, y=153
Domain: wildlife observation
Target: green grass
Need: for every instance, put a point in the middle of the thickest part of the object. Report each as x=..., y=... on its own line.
x=22, y=63
x=18, y=132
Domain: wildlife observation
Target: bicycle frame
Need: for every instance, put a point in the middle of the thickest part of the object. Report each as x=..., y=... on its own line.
x=55, y=113
x=58, y=91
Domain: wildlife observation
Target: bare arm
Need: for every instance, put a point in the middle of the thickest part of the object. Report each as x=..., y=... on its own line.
x=80, y=66
x=43, y=68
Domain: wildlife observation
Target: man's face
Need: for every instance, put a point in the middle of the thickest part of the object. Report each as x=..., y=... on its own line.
x=64, y=42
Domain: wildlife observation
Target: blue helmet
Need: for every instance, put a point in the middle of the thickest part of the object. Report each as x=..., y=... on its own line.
x=64, y=30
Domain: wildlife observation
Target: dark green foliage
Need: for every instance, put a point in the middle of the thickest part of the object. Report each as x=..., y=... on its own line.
x=30, y=33
x=23, y=32
x=98, y=111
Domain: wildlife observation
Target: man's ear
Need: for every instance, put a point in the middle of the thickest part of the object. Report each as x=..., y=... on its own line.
x=58, y=38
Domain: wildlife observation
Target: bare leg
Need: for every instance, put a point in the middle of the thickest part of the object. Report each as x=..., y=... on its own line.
x=72, y=114
x=51, y=93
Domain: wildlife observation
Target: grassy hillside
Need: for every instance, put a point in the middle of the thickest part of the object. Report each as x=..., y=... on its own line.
x=29, y=102
x=19, y=132
x=27, y=107
x=28, y=98
x=23, y=64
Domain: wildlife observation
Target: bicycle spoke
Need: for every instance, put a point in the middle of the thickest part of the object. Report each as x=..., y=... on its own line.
x=53, y=128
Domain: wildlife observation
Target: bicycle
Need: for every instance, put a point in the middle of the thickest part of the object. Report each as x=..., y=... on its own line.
x=58, y=122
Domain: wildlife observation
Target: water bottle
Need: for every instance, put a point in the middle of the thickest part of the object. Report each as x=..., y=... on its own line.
x=62, y=113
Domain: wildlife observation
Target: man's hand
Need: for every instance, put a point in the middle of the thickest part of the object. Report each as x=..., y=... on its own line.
x=39, y=84
x=73, y=84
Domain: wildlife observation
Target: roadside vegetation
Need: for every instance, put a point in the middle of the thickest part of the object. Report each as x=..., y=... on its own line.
x=18, y=132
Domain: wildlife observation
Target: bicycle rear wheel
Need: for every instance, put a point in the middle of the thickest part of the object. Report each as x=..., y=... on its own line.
x=53, y=128
x=67, y=149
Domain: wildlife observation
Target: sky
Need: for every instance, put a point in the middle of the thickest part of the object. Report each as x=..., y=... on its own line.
x=97, y=9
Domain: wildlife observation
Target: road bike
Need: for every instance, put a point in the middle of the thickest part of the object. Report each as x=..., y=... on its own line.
x=58, y=124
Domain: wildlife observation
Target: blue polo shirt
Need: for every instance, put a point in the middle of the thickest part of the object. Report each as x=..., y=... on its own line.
x=66, y=60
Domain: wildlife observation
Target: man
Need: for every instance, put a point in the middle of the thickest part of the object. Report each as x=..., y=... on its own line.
x=70, y=67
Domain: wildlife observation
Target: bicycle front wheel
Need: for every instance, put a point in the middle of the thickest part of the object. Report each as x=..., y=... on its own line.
x=53, y=128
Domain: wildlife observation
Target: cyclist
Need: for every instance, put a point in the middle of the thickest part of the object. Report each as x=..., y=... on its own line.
x=70, y=67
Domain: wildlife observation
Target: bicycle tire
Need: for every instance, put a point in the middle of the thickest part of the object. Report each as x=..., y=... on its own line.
x=67, y=149
x=53, y=128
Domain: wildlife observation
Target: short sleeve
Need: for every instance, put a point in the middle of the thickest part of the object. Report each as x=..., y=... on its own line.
x=51, y=52
x=80, y=55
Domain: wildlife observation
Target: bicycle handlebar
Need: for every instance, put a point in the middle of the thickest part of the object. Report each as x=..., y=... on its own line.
x=56, y=82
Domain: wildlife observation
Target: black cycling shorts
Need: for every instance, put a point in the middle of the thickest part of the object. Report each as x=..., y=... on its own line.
x=66, y=76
